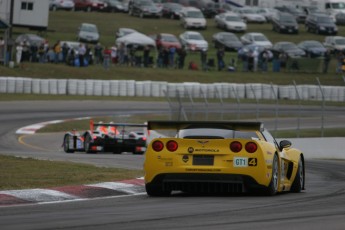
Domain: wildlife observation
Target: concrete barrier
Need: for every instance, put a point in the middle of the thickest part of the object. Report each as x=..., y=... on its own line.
x=323, y=147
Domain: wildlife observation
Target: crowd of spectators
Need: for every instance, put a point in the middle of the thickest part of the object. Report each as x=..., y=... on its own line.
x=163, y=57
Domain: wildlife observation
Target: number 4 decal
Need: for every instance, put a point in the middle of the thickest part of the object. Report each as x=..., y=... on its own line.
x=252, y=162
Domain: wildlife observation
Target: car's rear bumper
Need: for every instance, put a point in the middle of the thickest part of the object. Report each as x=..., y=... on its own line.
x=205, y=183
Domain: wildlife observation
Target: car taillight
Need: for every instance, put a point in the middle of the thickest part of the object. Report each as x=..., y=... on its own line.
x=157, y=146
x=235, y=146
x=172, y=146
x=251, y=147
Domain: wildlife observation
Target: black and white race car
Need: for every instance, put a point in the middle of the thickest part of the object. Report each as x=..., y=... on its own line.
x=107, y=137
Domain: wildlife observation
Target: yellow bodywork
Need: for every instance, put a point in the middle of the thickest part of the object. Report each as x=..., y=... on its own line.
x=257, y=165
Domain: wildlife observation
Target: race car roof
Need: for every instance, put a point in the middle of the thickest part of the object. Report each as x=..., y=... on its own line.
x=178, y=125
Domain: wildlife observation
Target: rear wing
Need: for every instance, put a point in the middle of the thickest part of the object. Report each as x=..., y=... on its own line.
x=123, y=125
x=231, y=125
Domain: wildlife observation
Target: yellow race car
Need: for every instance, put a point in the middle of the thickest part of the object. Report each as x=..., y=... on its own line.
x=219, y=157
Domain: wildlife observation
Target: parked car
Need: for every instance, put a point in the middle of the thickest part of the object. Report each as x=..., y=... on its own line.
x=55, y=5
x=88, y=32
x=268, y=13
x=159, y=4
x=207, y=7
x=192, y=17
x=312, y=48
x=222, y=7
x=144, y=8
x=193, y=41
x=125, y=4
x=320, y=24
x=284, y=23
x=340, y=19
x=89, y=5
x=30, y=39
x=335, y=43
x=298, y=13
x=290, y=48
x=171, y=10
x=229, y=41
x=114, y=6
x=256, y=38
x=124, y=31
x=249, y=15
x=230, y=22
x=166, y=40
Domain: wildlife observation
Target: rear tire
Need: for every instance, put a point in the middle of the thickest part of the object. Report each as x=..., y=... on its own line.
x=298, y=182
x=156, y=190
x=272, y=189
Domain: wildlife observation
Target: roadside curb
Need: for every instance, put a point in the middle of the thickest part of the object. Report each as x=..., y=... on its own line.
x=69, y=193
x=31, y=129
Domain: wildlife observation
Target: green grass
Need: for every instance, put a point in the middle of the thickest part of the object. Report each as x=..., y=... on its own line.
x=24, y=173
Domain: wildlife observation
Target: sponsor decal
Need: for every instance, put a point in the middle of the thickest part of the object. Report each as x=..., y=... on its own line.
x=203, y=143
x=240, y=162
x=207, y=150
x=185, y=158
x=252, y=161
x=168, y=164
x=164, y=158
x=269, y=153
x=245, y=162
x=269, y=162
x=203, y=170
x=190, y=149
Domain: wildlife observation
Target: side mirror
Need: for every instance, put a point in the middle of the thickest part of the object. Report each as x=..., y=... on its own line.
x=284, y=144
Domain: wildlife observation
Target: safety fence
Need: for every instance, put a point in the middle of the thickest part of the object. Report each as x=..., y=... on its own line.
x=132, y=88
x=224, y=101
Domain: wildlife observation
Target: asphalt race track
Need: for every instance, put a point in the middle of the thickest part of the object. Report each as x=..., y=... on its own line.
x=320, y=206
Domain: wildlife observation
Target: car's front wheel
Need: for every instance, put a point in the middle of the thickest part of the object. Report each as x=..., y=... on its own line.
x=66, y=144
x=87, y=143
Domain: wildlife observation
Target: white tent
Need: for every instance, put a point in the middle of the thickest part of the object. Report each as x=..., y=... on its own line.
x=136, y=39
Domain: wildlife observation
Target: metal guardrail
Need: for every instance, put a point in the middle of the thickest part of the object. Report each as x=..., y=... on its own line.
x=218, y=107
